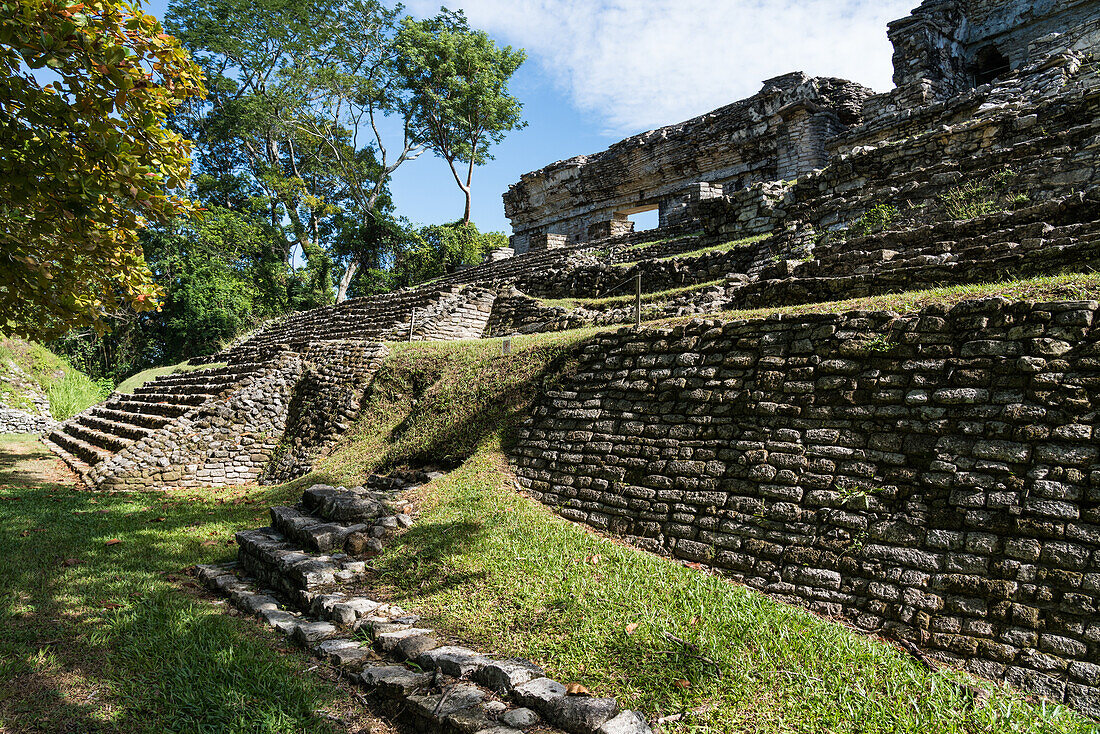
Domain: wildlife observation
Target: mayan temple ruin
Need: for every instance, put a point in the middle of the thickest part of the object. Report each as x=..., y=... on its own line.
x=932, y=477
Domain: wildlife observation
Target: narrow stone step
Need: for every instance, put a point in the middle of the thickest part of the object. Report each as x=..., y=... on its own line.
x=275, y=561
x=348, y=506
x=314, y=533
x=106, y=441
x=82, y=450
x=78, y=465
x=115, y=427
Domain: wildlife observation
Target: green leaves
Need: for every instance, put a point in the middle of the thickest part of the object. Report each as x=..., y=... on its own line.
x=458, y=84
x=83, y=157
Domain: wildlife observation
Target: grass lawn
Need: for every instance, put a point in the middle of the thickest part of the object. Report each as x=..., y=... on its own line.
x=101, y=637
x=506, y=575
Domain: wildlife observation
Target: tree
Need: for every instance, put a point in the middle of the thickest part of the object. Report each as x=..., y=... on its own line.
x=86, y=160
x=298, y=88
x=440, y=249
x=458, y=80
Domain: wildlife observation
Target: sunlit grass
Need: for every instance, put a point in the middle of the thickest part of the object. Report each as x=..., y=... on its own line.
x=98, y=637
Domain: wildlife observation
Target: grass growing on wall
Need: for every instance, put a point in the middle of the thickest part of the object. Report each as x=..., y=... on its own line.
x=504, y=574
x=724, y=247
x=69, y=390
x=609, y=302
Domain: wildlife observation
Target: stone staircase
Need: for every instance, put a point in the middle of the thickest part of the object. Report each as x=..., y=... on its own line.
x=97, y=435
x=302, y=576
x=224, y=425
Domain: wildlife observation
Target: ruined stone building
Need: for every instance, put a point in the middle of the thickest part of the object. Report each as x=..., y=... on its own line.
x=932, y=477
x=792, y=126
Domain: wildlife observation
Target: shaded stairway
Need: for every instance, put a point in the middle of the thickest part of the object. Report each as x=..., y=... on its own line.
x=223, y=425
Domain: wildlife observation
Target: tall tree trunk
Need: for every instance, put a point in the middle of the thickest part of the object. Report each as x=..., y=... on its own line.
x=466, y=216
x=345, y=281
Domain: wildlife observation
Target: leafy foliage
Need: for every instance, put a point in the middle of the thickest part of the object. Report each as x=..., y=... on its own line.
x=458, y=81
x=294, y=84
x=437, y=250
x=85, y=159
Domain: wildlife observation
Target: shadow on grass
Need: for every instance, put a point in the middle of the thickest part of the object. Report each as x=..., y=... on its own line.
x=99, y=637
x=426, y=563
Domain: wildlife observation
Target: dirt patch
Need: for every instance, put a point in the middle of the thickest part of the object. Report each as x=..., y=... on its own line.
x=25, y=462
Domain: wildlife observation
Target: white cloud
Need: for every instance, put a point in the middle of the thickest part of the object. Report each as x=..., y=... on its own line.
x=638, y=64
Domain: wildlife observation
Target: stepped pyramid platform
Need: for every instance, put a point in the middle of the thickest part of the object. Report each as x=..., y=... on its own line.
x=223, y=425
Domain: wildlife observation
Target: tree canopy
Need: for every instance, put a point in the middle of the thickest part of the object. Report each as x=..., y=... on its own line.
x=86, y=159
x=457, y=79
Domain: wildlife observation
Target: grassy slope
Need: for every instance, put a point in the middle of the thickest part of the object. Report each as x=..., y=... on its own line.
x=69, y=390
x=115, y=643
x=486, y=564
x=503, y=573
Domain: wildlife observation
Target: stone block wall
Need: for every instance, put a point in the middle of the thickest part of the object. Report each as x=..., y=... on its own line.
x=24, y=408
x=13, y=420
x=326, y=401
x=943, y=42
x=738, y=144
x=934, y=477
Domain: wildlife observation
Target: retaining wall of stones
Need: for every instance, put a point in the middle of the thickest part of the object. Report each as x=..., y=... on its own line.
x=326, y=400
x=13, y=420
x=934, y=477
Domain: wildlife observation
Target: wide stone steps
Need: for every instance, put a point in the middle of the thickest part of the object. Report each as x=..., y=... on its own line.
x=386, y=650
x=143, y=421
x=182, y=397
x=164, y=409
x=87, y=453
x=120, y=428
x=78, y=465
x=108, y=442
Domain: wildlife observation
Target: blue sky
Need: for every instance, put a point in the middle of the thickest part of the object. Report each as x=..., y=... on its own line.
x=601, y=70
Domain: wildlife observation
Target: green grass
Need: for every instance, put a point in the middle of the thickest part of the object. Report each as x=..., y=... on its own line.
x=725, y=247
x=1067, y=287
x=112, y=638
x=503, y=573
x=609, y=302
x=76, y=392
x=135, y=381
x=654, y=243
x=69, y=390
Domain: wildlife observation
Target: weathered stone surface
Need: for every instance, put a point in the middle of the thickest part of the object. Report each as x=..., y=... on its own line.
x=459, y=662
x=395, y=680
x=628, y=722
x=505, y=675
x=520, y=718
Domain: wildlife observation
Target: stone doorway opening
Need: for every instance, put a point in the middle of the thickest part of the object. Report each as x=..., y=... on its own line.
x=645, y=217
x=989, y=64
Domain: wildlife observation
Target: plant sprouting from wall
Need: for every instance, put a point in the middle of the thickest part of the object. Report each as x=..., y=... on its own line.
x=979, y=197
